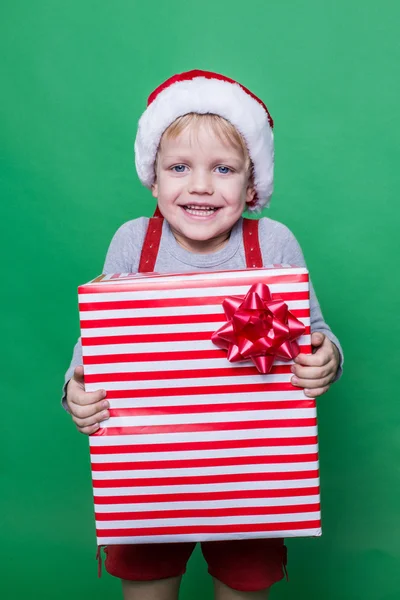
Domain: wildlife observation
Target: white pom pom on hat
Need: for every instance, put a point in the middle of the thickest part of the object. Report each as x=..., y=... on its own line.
x=206, y=92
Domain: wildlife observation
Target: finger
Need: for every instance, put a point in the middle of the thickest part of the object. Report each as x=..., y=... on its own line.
x=310, y=383
x=317, y=338
x=78, y=396
x=78, y=374
x=336, y=352
x=93, y=420
x=89, y=410
x=302, y=372
x=89, y=430
x=319, y=359
x=316, y=392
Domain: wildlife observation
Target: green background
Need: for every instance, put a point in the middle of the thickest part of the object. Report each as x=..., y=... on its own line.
x=75, y=77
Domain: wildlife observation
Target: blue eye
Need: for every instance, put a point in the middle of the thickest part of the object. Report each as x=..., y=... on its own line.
x=224, y=170
x=179, y=168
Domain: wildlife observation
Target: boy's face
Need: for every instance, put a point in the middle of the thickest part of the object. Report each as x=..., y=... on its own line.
x=202, y=187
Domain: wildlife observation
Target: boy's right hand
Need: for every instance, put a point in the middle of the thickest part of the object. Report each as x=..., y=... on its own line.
x=87, y=408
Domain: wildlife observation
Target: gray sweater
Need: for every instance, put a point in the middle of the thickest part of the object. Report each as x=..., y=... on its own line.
x=278, y=246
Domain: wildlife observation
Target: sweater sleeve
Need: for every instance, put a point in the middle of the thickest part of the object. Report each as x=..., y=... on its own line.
x=279, y=246
x=122, y=257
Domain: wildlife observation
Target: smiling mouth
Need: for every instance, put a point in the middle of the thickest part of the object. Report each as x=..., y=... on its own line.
x=200, y=211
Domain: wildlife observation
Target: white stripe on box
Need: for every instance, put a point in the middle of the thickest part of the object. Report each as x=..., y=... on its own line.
x=196, y=436
x=187, y=346
x=152, y=329
x=161, y=384
x=220, y=417
x=202, y=399
x=207, y=487
x=170, y=365
x=176, y=521
x=93, y=315
x=204, y=454
x=111, y=349
x=180, y=505
x=159, y=329
x=148, y=474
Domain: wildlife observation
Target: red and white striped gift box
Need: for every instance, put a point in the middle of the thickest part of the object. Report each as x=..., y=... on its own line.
x=196, y=448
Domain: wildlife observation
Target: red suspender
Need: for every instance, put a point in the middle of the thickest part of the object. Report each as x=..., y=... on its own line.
x=151, y=245
x=152, y=241
x=251, y=243
x=157, y=213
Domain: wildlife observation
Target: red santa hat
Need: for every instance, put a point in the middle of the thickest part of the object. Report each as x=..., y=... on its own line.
x=206, y=92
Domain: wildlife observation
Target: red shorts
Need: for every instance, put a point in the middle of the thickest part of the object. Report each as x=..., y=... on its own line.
x=245, y=565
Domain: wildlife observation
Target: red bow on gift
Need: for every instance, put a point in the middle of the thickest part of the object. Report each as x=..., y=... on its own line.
x=258, y=328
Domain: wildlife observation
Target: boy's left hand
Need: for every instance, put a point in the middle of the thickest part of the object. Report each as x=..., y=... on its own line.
x=315, y=372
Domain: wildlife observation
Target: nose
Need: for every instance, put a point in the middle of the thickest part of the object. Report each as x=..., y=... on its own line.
x=200, y=182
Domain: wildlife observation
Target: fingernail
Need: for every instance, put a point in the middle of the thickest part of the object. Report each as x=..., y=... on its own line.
x=105, y=415
x=295, y=381
x=103, y=394
x=105, y=405
x=293, y=369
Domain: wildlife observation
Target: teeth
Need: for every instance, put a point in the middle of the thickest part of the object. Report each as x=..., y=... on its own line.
x=196, y=207
x=201, y=211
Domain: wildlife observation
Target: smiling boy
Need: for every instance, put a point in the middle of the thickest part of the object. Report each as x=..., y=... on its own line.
x=205, y=149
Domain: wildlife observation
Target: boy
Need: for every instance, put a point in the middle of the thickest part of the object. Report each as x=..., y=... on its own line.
x=205, y=149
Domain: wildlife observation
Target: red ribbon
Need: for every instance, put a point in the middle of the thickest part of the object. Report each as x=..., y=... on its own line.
x=258, y=328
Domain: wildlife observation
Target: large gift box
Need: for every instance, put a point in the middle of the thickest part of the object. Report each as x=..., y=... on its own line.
x=207, y=439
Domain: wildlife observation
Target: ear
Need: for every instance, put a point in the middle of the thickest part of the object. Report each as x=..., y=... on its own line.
x=250, y=193
x=154, y=189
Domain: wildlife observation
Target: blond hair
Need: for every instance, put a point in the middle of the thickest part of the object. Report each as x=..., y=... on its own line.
x=221, y=127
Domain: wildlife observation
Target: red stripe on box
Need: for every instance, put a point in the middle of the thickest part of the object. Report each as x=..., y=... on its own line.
x=102, y=359
x=207, y=512
x=184, y=336
x=193, y=529
x=168, y=320
x=184, y=463
x=160, y=284
x=143, y=338
x=204, y=389
x=156, y=320
x=204, y=479
x=210, y=408
x=188, y=427
x=208, y=496
x=183, y=374
x=210, y=445
x=176, y=302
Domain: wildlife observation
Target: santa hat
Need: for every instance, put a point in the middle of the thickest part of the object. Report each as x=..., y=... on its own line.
x=206, y=92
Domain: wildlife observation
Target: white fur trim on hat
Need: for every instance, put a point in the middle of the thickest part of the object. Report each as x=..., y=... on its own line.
x=203, y=95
